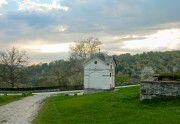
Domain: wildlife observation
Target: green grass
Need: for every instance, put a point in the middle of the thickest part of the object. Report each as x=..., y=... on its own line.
x=4, y=99
x=120, y=107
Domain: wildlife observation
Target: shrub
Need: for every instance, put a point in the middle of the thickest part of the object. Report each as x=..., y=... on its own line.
x=26, y=94
x=169, y=76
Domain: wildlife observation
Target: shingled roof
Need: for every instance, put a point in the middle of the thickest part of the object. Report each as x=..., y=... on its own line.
x=102, y=56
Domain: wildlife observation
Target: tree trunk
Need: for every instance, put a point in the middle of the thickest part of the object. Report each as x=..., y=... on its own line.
x=12, y=84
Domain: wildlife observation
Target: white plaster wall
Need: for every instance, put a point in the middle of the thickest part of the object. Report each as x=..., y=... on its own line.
x=97, y=79
x=113, y=77
x=98, y=75
x=99, y=65
x=112, y=71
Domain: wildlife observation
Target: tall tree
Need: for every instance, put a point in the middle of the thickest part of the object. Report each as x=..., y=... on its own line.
x=60, y=70
x=12, y=62
x=147, y=73
x=82, y=49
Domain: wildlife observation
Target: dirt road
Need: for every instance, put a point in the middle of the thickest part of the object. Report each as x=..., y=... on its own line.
x=21, y=111
x=24, y=111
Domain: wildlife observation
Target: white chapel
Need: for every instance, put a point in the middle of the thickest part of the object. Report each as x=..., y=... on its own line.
x=99, y=73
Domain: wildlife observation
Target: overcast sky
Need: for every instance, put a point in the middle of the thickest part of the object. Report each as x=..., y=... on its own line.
x=45, y=28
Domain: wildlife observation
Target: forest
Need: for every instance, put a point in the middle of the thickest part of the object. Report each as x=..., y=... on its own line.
x=70, y=72
x=14, y=71
x=155, y=62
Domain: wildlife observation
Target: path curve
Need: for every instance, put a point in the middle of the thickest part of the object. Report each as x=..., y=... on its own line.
x=22, y=111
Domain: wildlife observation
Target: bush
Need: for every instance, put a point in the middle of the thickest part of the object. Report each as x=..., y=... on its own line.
x=26, y=94
x=169, y=77
x=120, y=78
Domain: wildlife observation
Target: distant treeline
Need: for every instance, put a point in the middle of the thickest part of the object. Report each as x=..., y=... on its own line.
x=70, y=72
x=160, y=62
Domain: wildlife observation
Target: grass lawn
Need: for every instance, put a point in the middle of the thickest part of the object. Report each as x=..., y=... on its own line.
x=120, y=107
x=4, y=99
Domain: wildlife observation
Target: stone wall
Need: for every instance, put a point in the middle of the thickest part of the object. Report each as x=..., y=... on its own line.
x=158, y=89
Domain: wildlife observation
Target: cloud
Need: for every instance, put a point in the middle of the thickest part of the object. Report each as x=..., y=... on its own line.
x=31, y=6
x=42, y=46
x=43, y=51
x=62, y=28
x=3, y=2
x=119, y=24
x=33, y=19
x=119, y=15
x=168, y=38
x=48, y=48
x=46, y=57
x=161, y=40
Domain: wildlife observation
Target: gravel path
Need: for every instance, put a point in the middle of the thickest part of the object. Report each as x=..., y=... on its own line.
x=24, y=111
x=21, y=111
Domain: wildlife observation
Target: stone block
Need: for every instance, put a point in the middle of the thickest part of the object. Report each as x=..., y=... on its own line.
x=159, y=89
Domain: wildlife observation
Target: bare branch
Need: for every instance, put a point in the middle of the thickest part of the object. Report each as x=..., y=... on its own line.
x=84, y=48
x=11, y=60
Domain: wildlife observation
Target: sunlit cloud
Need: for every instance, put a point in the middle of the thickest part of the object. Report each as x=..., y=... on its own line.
x=62, y=28
x=3, y=2
x=31, y=6
x=168, y=38
x=51, y=48
x=45, y=28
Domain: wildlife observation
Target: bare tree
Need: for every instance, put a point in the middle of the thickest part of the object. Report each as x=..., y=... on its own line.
x=84, y=48
x=80, y=50
x=12, y=62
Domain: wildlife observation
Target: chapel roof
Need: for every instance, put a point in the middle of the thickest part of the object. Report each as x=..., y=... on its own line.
x=102, y=56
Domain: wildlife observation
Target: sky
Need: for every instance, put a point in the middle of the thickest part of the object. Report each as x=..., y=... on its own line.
x=46, y=28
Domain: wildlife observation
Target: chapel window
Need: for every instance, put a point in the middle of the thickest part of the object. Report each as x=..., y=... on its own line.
x=95, y=62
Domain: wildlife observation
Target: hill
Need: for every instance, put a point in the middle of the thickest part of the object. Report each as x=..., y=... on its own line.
x=160, y=62
x=129, y=69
